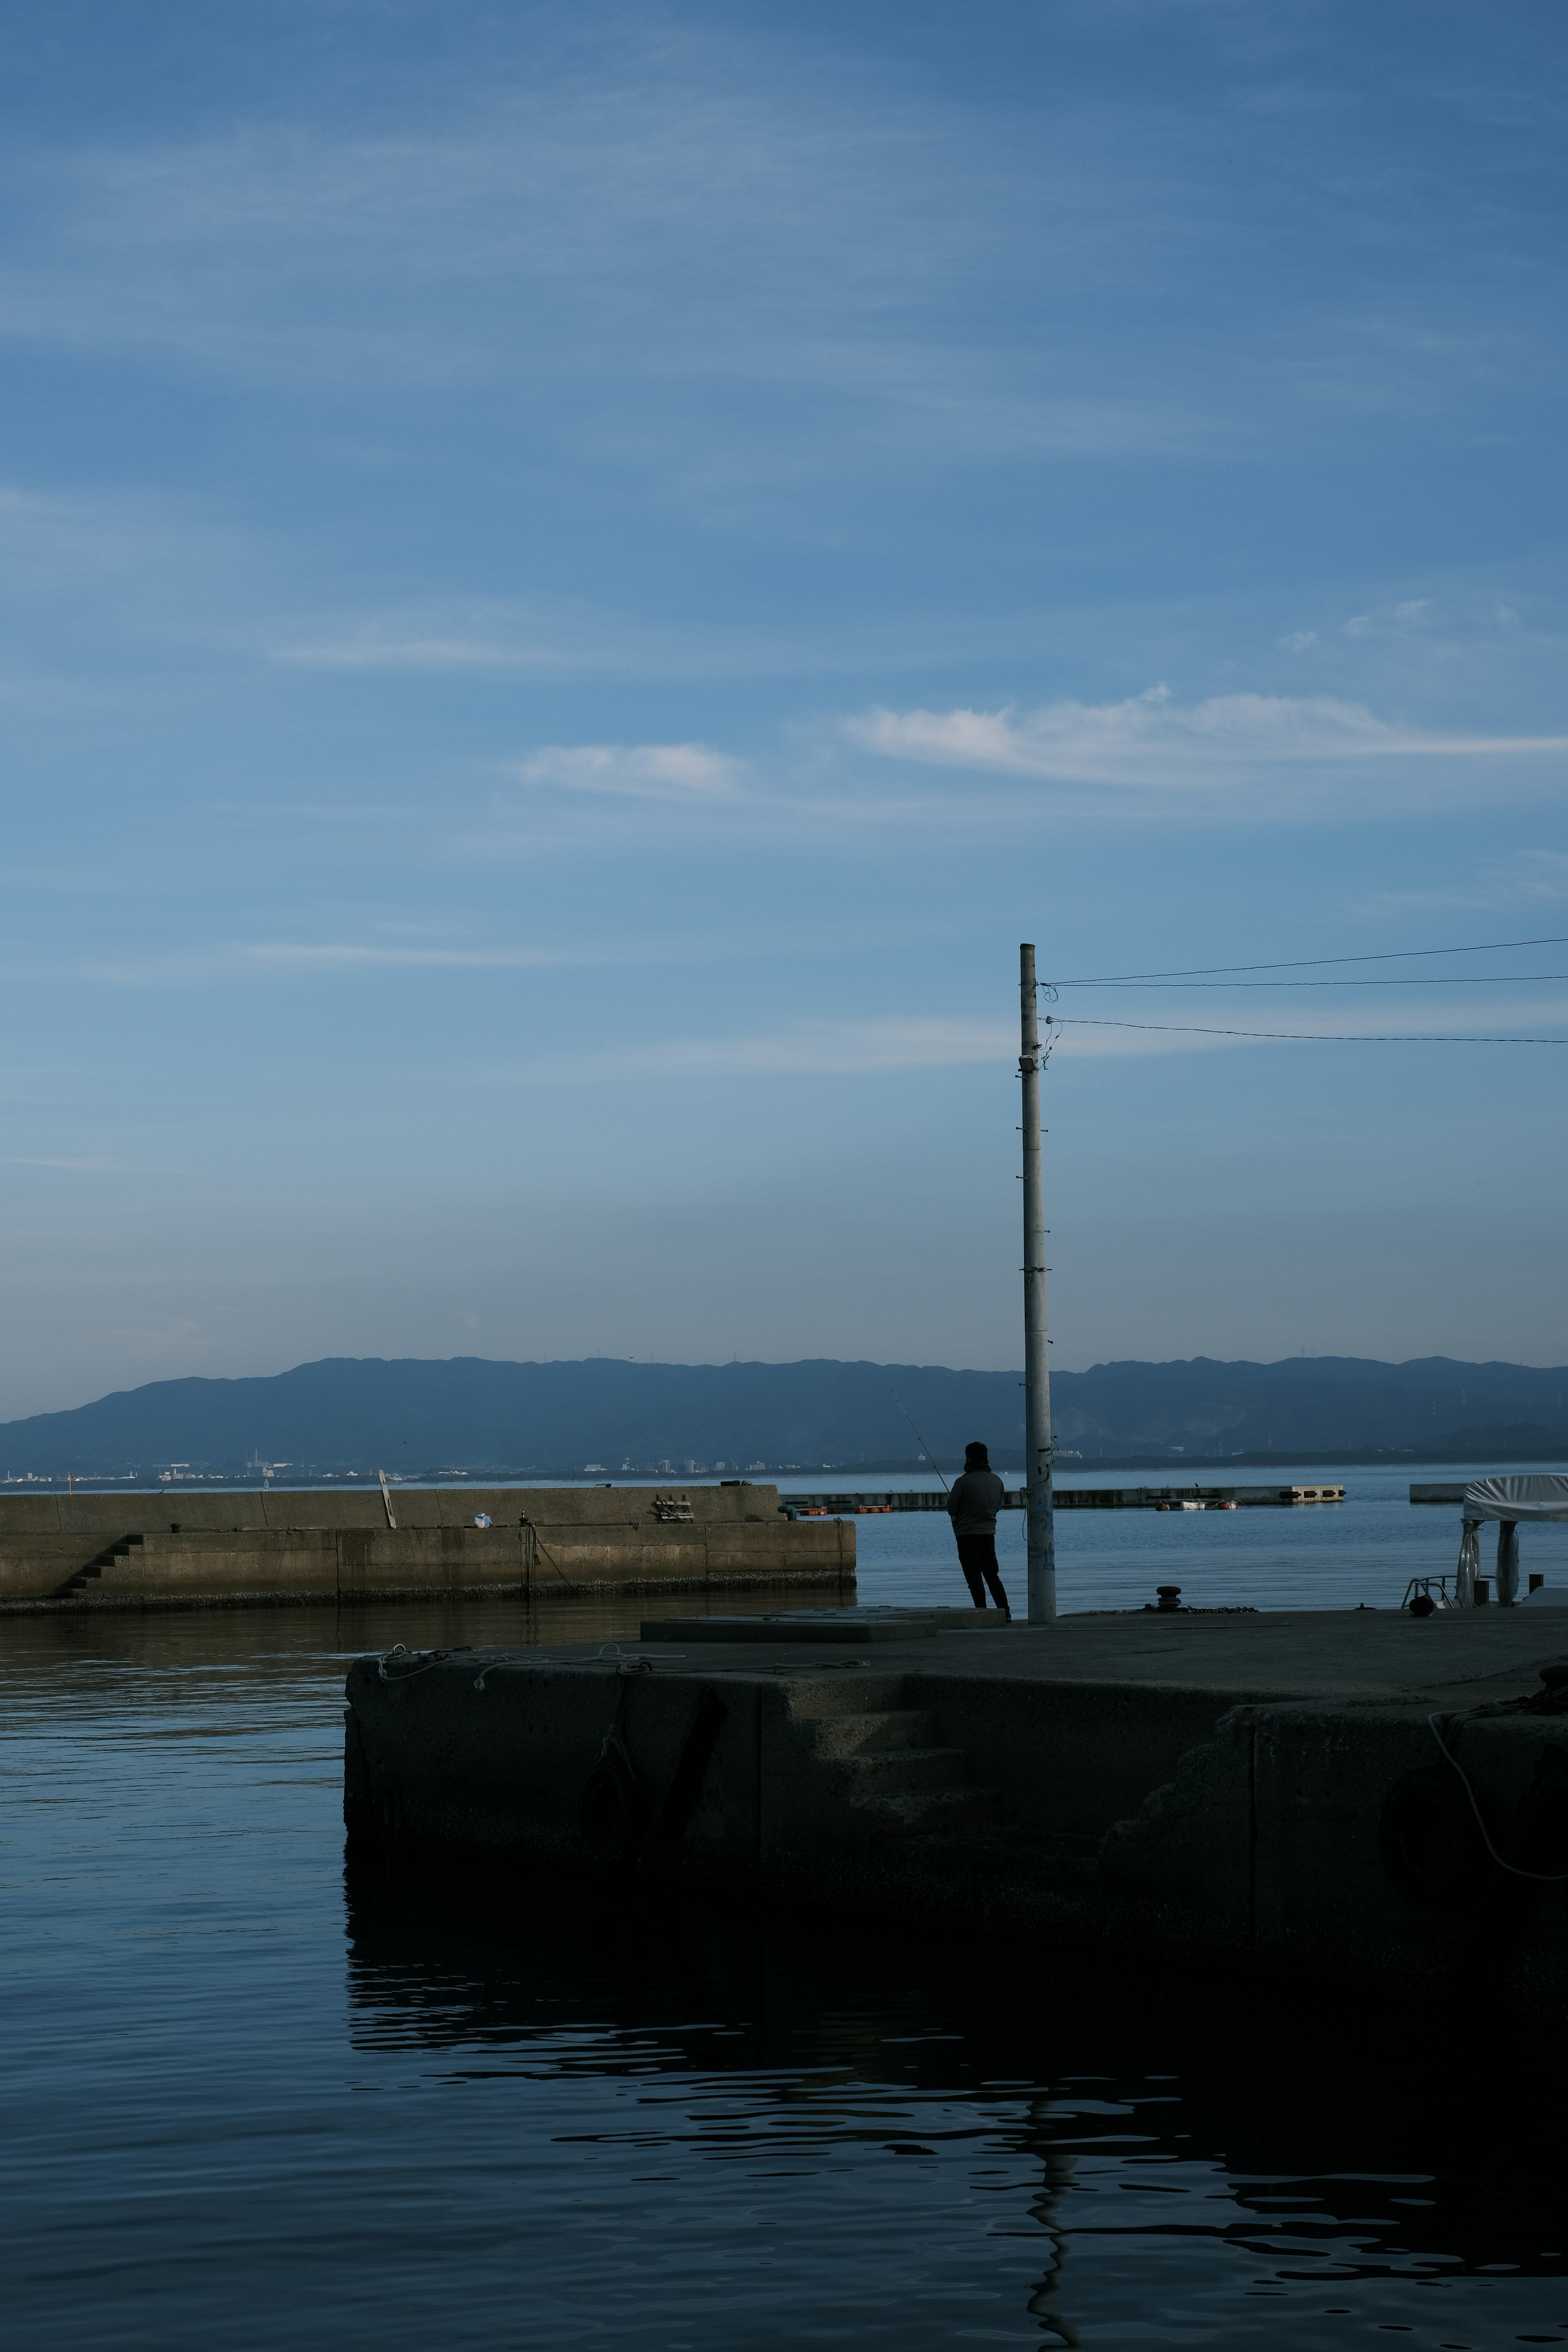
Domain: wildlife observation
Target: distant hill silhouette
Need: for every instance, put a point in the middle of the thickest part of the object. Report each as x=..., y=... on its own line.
x=1310, y=1403
x=564, y=1419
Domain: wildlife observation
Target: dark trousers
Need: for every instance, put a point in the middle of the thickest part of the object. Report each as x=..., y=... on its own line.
x=977, y=1558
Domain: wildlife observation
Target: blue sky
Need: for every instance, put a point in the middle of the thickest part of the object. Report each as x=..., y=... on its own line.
x=576, y=580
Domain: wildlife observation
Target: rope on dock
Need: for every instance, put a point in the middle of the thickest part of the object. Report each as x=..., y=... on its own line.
x=1546, y=1877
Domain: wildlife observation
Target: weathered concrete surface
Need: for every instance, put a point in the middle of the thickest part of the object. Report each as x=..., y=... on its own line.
x=1268, y=1840
x=491, y=1748
x=179, y=1551
x=1216, y=1781
x=842, y=1628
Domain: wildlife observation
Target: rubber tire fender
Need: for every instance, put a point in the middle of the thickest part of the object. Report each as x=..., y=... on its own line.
x=1430, y=1841
x=612, y=1813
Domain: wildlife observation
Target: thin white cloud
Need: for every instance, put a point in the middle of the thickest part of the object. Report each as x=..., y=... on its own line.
x=1519, y=877
x=369, y=649
x=258, y=961
x=1298, y=641
x=1152, y=740
x=1394, y=622
x=1529, y=874
x=806, y=1049
x=84, y=1167
x=827, y=1049
x=814, y=240
x=347, y=954
x=463, y=638
x=226, y=960
x=661, y=772
x=846, y=1049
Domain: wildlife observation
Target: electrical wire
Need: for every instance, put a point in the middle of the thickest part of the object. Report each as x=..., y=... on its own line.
x=1294, y=1036
x=1305, y=963
x=1444, y=980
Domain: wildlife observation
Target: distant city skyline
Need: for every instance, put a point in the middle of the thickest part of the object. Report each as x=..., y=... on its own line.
x=575, y=581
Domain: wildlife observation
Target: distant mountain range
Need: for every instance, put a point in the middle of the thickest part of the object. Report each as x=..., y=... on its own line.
x=624, y=1419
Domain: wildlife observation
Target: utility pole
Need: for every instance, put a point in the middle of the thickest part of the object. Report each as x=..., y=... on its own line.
x=1040, y=1502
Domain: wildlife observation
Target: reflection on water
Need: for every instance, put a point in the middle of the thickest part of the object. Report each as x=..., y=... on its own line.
x=934, y=2140
x=252, y=2104
x=281, y=1642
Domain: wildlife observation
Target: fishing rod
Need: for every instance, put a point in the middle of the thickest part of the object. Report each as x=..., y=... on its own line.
x=919, y=1441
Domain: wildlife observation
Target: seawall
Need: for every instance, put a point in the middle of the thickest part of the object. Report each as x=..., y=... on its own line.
x=299, y=1547
x=1228, y=1784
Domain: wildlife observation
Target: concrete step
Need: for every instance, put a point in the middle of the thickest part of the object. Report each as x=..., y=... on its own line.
x=934, y=1811
x=102, y=1572
x=86, y=1578
x=828, y=1701
x=865, y=1734
x=896, y=1770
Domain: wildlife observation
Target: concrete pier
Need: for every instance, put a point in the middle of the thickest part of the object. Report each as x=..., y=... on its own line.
x=302, y=1545
x=1229, y=1782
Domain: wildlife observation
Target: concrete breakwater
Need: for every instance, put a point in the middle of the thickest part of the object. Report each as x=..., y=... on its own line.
x=1257, y=1784
x=168, y=1550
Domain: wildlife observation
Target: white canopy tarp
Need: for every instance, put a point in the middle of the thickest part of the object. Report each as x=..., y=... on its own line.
x=1537, y=1495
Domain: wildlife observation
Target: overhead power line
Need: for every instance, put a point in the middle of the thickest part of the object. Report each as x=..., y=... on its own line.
x=1425, y=979
x=1306, y=963
x=1295, y=1036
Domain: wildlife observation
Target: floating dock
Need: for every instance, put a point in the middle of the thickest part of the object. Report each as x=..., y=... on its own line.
x=303, y=1546
x=1239, y=1782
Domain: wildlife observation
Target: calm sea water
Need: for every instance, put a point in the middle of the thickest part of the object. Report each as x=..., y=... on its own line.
x=1312, y=1556
x=249, y=2102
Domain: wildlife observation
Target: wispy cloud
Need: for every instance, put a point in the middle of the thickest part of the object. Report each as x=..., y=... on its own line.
x=749, y=209
x=84, y=1167
x=464, y=639
x=374, y=648
x=717, y=206
x=222, y=961
x=1529, y=874
x=1514, y=879
x=661, y=771
x=805, y=1049
x=228, y=961
x=829, y=1049
x=1152, y=740
x=348, y=955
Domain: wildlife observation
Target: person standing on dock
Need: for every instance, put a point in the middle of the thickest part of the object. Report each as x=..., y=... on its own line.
x=972, y=1503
